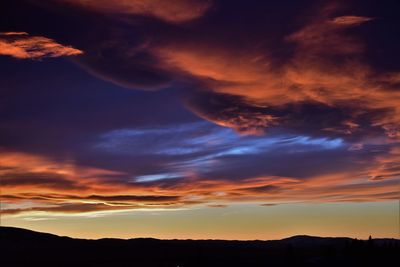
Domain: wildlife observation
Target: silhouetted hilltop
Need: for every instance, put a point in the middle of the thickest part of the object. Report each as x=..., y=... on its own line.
x=19, y=234
x=21, y=247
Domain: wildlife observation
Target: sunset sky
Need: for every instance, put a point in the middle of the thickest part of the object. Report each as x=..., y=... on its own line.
x=222, y=119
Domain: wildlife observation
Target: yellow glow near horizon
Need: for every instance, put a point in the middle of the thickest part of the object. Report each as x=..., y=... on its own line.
x=239, y=221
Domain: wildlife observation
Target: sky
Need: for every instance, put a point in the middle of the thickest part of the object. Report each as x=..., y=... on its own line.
x=202, y=119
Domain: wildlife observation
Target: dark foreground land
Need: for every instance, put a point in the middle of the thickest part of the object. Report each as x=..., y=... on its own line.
x=20, y=247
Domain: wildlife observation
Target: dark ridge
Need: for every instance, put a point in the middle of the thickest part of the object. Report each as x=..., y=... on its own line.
x=15, y=233
x=21, y=247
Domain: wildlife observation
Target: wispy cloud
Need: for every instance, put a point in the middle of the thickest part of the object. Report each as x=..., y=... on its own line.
x=174, y=11
x=228, y=168
x=24, y=46
x=351, y=20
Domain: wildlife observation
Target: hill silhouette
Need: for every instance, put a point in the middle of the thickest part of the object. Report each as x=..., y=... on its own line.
x=21, y=247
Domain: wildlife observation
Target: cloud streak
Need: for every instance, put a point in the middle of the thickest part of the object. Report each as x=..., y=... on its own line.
x=175, y=11
x=225, y=170
x=23, y=46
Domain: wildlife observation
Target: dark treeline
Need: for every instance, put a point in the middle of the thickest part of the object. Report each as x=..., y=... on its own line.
x=21, y=247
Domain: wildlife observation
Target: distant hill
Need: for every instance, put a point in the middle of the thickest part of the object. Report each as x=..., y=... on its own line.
x=21, y=247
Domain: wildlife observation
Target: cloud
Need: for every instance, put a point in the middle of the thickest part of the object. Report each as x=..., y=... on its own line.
x=303, y=117
x=386, y=166
x=270, y=204
x=31, y=172
x=124, y=198
x=217, y=206
x=226, y=168
x=323, y=66
x=23, y=46
x=312, y=91
x=262, y=189
x=13, y=33
x=124, y=59
x=350, y=20
x=65, y=209
x=323, y=59
x=174, y=11
x=231, y=111
x=40, y=179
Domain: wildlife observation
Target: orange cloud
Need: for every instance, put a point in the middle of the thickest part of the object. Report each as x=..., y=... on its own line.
x=386, y=166
x=350, y=20
x=174, y=11
x=75, y=190
x=13, y=33
x=326, y=67
x=22, y=45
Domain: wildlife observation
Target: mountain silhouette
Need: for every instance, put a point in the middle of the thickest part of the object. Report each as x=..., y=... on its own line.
x=21, y=247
